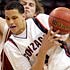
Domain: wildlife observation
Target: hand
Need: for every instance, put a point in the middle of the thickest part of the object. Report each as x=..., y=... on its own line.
x=50, y=41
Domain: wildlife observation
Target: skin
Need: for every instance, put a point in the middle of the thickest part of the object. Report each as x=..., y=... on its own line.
x=1, y=35
x=16, y=23
x=30, y=11
x=48, y=42
x=30, y=7
x=13, y=21
x=2, y=24
x=68, y=40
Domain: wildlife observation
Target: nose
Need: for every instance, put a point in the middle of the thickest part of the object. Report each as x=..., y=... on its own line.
x=11, y=22
x=27, y=6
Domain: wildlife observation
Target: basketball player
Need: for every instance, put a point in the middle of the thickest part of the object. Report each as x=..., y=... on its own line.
x=32, y=8
x=23, y=48
x=59, y=57
x=27, y=44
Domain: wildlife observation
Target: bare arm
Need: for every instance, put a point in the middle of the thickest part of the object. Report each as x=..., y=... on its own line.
x=48, y=42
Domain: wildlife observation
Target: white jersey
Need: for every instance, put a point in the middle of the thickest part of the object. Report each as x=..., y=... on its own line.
x=58, y=60
x=22, y=53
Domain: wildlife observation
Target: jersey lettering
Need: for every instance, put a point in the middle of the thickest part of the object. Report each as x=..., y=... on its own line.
x=37, y=43
x=33, y=47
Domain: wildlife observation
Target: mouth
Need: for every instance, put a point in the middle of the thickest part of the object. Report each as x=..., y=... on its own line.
x=12, y=27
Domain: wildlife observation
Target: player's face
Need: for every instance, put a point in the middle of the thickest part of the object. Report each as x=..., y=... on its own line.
x=30, y=7
x=15, y=21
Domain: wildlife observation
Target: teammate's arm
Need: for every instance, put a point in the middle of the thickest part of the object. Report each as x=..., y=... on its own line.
x=48, y=42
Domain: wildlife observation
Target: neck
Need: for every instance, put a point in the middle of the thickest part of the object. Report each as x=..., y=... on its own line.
x=22, y=29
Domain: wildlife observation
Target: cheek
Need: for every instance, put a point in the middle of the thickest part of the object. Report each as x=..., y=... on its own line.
x=19, y=23
x=34, y=10
x=8, y=23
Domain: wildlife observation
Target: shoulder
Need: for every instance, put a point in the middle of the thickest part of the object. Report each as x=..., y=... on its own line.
x=3, y=24
x=43, y=19
x=10, y=44
x=2, y=21
x=40, y=21
x=42, y=15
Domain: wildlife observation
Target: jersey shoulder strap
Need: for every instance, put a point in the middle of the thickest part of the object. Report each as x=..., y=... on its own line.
x=43, y=29
x=12, y=42
x=40, y=26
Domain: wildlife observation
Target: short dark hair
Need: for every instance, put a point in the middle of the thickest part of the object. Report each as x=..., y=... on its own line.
x=15, y=5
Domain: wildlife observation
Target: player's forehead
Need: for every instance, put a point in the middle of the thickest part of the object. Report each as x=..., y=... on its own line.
x=10, y=13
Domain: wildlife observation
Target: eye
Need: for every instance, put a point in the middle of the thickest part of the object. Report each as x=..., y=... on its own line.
x=31, y=4
x=14, y=17
x=7, y=18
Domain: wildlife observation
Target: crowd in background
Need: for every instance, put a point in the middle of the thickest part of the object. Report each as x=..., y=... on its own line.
x=48, y=5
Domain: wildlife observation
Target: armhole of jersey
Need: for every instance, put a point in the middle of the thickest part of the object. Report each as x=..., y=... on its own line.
x=40, y=26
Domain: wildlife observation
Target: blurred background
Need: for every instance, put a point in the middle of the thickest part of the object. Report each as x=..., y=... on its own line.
x=48, y=5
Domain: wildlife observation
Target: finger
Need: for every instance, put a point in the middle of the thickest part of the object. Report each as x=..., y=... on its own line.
x=49, y=31
x=54, y=34
x=57, y=43
x=58, y=38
